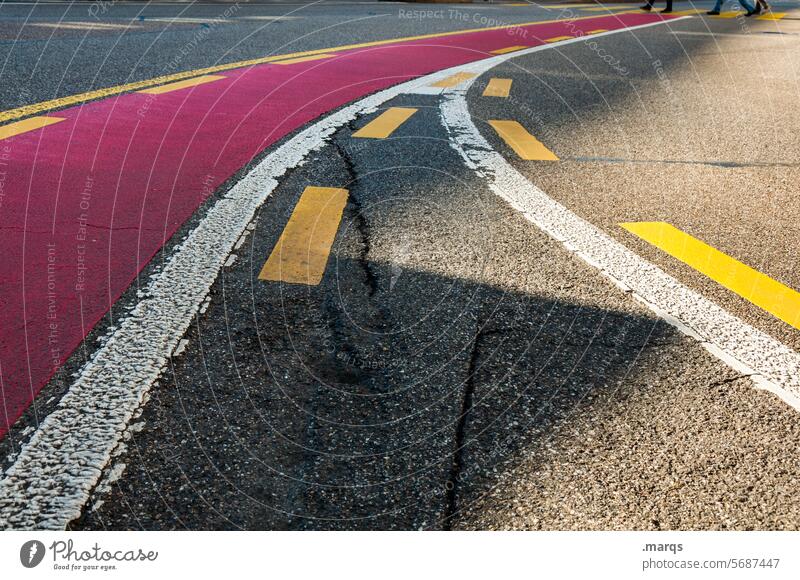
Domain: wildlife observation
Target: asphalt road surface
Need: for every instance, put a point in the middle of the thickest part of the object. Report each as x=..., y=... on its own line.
x=374, y=265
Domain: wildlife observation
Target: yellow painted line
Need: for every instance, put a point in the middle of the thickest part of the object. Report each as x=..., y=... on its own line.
x=508, y=49
x=31, y=124
x=453, y=80
x=43, y=106
x=304, y=58
x=182, y=85
x=766, y=293
x=526, y=145
x=598, y=31
x=771, y=16
x=385, y=124
x=558, y=38
x=301, y=254
x=498, y=88
x=689, y=12
x=605, y=9
x=730, y=14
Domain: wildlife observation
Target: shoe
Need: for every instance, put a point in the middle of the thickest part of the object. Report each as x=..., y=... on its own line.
x=666, y=11
x=646, y=8
x=713, y=12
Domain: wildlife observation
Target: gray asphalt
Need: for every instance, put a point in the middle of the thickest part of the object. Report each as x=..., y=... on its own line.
x=457, y=368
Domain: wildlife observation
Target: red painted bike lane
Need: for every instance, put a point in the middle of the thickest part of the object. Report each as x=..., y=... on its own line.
x=87, y=202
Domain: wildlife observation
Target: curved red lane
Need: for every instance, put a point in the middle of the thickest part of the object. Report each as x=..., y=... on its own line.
x=85, y=203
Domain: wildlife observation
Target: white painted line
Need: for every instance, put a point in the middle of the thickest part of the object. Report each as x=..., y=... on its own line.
x=54, y=473
x=772, y=365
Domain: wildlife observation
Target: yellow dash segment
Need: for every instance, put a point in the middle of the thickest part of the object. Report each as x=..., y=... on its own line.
x=598, y=31
x=605, y=8
x=558, y=38
x=32, y=124
x=508, y=49
x=304, y=58
x=182, y=85
x=498, y=88
x=385, y=124
x=526, y=145
x=774, y=297
x=453, y=80
x=729, y=14
x=689, y=12
x=771, y=16
x=302, y=251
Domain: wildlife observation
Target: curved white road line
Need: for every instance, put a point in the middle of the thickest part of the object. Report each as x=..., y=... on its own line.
x=772, y=365
x=55, y=472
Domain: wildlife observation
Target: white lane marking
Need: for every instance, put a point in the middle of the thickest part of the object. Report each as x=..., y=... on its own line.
x=54, y=473
x=772, y=365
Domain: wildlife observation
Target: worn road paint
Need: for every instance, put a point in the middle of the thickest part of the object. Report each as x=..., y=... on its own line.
x=301, y=254
x=31, y=124
x=776, y=298
x=305, y=59
x=453, y=80
x=498, y=88
x=180, y=85
x=526, y=145
x=385, y=124
x=508, y=49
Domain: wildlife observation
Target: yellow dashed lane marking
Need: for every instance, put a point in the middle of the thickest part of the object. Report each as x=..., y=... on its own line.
x=304, y=58
x=182, y=85
x=31, y=124
x=526, y=145
x=498, y=88
x=453, y=80
x=598, y=31
x=385, y=124
x=771, y=16
x=606, y=8
x=508, y=49
x=774, y=297
x=43, y=106
x=558, y=38
x=301, y=254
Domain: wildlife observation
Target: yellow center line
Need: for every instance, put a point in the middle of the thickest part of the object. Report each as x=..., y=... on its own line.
x=31, y=124
x=526, y=145
x=598, y=31
x=771, y=16
x=385, y=124
x=776, y=298
x=729, y=14
x=508, y=49
x=37, y=108
x=182, y=85
x=453, y=80
x=498, y=88
x=301, y=254
x=558, y=38
x=304, y=58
